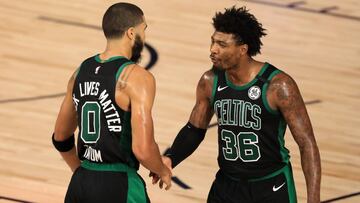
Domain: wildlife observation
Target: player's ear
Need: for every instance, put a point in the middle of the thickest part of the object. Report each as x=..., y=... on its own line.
x=243, y=49
x=130, y=33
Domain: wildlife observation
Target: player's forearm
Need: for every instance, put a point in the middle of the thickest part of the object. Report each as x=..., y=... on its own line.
x=71, y=158
x=149, y=156
x=310, y=161
x=185, y=143
x=64, y=142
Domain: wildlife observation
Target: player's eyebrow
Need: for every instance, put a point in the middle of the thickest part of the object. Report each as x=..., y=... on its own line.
x=218, y=41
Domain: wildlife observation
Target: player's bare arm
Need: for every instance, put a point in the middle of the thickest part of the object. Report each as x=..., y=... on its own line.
x=202, y=112
x=283, y=94
x=66, y=124
x=140, y=87
x=193, y=133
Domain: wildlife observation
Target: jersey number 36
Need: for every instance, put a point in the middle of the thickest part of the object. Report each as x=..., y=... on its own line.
x=242, y=145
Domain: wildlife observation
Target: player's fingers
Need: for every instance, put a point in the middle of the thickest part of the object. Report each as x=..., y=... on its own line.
x=168, y=185
x=155, y=179
x=152, y=174
x=161, y=184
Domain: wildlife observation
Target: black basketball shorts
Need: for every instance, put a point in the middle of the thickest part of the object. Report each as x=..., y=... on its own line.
x=277, y=187
x=110, y=183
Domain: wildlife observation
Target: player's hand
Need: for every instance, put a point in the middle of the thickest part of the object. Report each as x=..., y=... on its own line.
x=155, y=177
x=165, y=177
x=167, y=162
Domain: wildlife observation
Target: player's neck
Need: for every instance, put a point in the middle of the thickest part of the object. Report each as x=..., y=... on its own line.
x=244, y=72
x=116, y=47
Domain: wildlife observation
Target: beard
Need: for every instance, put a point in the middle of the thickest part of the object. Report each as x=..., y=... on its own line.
x=137, y=49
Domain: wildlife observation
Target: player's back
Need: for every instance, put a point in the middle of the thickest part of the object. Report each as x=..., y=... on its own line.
x=104, y=128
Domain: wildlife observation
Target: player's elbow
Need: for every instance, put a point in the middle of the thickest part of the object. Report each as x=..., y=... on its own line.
x=61, y=135
x=308, y=145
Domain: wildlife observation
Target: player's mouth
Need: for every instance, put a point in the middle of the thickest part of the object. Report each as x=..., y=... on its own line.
x=214, y=59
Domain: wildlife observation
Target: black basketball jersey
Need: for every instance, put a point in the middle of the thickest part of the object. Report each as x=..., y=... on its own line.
x=104, y=128
x=250, y=133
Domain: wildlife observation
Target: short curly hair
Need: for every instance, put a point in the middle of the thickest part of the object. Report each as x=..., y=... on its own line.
x=243, y=25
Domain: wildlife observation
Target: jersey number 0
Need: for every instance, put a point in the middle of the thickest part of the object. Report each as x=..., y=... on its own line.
x=90, y=122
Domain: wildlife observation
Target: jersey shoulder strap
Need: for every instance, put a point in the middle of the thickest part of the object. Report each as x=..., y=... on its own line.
x=216, y=72
x=124, y=62
x=268, y=74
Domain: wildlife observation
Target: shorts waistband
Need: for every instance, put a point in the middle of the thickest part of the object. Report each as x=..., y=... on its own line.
x=273, y=174
x=116, y=167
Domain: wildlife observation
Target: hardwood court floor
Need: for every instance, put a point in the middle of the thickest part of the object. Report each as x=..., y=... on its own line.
x=43, y=41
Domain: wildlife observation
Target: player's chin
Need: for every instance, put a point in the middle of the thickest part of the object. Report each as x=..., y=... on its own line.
x=216, y=64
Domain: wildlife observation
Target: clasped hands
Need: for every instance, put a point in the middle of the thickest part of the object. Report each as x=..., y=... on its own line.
x=165, y=176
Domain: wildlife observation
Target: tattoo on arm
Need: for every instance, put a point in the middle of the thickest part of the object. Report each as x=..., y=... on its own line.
x=124, y=77
x=202, y=111
x=289, y=101
x=292, y=106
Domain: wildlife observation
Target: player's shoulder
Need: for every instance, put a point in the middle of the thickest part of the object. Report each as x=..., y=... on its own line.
x=282, y=85
x=88, y=60
x=208, y=76
x=85, y=62
x=140, y=71
x=137, y=74
x=282, y=79
x=206, y=82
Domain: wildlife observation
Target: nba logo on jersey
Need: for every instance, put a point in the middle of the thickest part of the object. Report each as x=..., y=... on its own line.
x=97, y=69
x=254, y=92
